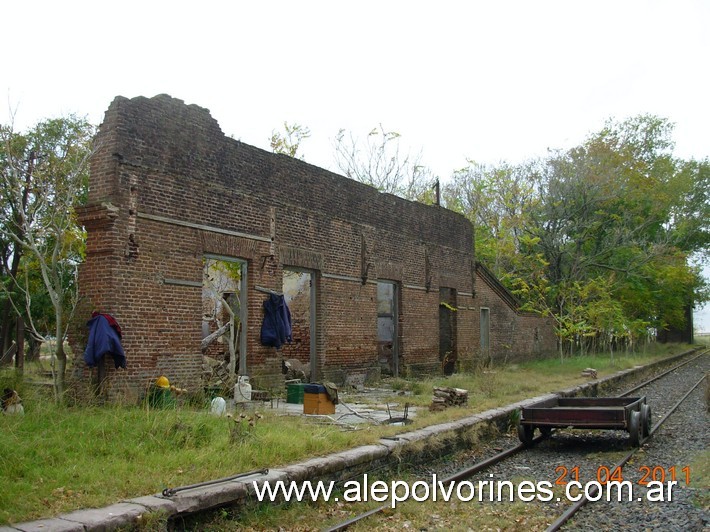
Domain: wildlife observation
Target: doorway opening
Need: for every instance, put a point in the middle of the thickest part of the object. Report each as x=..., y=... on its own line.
x=300, y=296
x=387, y=333
x=224, y=311
x=485, y=335
x=447, y=330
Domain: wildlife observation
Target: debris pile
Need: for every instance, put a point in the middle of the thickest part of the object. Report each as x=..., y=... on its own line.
x=446, y=397
x=11, y=402
x=215, y=376
x=294, y=369
x=589, y=372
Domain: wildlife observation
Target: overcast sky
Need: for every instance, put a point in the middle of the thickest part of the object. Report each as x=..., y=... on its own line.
x=488, y=81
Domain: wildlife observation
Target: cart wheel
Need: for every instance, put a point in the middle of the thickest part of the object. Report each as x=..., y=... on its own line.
x=635, y=428
x=646, y=420
x=525, y=433
x=546, y=431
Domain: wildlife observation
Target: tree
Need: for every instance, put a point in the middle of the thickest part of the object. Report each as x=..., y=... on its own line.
x=690, y=212
x=607, y=212
x=290, y=140
x=600, y=236
x=43, y=177
x=378, y=162
x=498, y=201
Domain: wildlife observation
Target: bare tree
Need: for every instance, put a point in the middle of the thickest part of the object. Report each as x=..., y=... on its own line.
x=378, y=161
x=43, y=177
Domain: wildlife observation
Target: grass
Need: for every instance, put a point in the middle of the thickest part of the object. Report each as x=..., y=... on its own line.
x=57, y=459
x=54, y=460
x=700, y=478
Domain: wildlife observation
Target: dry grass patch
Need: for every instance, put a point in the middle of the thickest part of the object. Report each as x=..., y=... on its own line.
x=57, y=459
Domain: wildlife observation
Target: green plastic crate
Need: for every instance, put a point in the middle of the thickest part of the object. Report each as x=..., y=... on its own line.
x=294, y=393
x=161, y=397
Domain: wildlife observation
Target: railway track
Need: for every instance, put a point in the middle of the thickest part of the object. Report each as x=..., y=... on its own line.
x=568, y=451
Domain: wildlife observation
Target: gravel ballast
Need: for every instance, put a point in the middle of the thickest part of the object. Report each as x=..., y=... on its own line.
x=677, y=443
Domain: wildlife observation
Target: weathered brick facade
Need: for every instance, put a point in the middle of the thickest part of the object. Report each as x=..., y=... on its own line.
x=168, y=188
x=514, y=336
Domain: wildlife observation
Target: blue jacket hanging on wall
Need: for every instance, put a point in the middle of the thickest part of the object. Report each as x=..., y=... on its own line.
x=104, y=338
x=276, y=327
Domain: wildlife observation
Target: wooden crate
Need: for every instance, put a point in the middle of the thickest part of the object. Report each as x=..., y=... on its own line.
x=317, y=403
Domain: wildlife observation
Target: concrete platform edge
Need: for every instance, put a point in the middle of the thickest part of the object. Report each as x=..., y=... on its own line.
x=129, y=512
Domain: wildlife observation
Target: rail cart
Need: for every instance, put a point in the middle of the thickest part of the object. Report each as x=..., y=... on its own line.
x=628, y=413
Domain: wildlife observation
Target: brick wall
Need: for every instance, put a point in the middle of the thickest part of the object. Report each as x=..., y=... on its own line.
x=168, y=187
x=514, y=336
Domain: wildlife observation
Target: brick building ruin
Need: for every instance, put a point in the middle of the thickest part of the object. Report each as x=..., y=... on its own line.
x=188, y=229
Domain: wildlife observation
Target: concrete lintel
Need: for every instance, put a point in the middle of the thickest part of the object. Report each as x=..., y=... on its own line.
x=202, y=227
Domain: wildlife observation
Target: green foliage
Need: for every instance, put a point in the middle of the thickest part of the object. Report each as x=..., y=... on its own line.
x=445, y=305
x=498, y=201
x=43, y=178
x=599, y=237
x=290, y=140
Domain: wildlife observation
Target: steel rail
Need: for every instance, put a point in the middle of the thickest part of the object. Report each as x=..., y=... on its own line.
x=456, y=477
x=480, y=466
x=661, y=375
x=569, y=513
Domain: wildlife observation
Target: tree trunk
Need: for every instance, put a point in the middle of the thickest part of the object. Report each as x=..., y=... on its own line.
x=208, y=340
x=34, y=349
x=5, y=335
x=9, y=320
x=61, y=357
x=60, y=370
x=20, y=355
x=17, y=252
